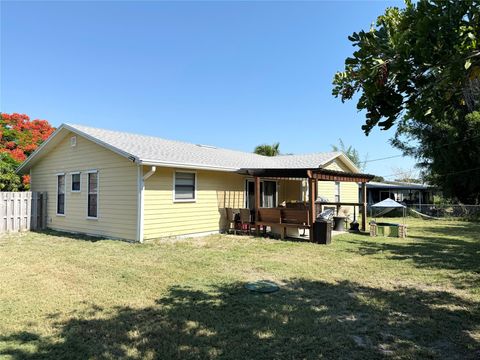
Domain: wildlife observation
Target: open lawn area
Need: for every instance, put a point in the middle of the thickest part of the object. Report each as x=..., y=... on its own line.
x=63, y=297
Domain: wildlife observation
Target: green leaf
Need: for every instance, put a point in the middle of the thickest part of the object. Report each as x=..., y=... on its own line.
x=468, y=63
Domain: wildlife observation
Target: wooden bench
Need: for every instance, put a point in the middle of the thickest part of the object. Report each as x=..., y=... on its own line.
x=268, y=217
x=282, y=218
x=295, y=218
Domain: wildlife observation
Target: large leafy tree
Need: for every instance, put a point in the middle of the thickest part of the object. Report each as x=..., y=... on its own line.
x=19, y=137
x=268, y=150
x=418, y=70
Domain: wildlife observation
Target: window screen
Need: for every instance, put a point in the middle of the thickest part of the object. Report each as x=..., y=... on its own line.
x=75, y=182
x=184, y=186
x=61, y=194
x=92, y=205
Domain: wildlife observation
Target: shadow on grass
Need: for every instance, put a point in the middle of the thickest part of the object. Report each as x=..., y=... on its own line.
x=453, y=247
x=74, y=236
x=305, y=319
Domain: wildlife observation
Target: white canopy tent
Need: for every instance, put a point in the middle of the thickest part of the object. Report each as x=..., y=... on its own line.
x=388, y=205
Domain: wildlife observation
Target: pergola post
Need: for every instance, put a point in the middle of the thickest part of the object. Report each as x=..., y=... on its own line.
x=364, y=206
x=257, y=197
x=311, y=194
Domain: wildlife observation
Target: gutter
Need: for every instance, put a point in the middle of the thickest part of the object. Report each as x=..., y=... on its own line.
x=186, y=165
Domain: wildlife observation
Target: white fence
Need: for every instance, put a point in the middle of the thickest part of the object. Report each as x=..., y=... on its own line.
x=22, y=211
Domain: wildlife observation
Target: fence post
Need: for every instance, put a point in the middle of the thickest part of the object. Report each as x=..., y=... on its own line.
x=34, y=214
x=44, y=210
x=3, y=212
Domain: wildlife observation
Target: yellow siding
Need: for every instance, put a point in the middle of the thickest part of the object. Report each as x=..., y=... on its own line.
x=215, y=191
x=326, y=189
x=348, y=193
x=337, y=165
x=117, y=196
x=289, y=190
x=348, y=190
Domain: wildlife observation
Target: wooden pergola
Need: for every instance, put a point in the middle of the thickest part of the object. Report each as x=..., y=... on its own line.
x=313, y=175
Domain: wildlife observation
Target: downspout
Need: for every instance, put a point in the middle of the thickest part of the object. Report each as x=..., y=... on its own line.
x=150, y=173
x=141, y=198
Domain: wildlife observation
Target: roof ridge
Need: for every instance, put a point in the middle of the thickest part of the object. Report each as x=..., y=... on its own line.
x=310, y=154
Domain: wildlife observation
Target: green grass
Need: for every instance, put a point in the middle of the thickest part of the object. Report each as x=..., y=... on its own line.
x=62, y=297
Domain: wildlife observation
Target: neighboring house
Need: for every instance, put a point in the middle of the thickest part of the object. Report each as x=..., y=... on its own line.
x=408, y=193
x=137, y=187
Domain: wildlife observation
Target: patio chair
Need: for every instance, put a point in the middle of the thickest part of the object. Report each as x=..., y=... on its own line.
x=245, y=221
x=231, y=220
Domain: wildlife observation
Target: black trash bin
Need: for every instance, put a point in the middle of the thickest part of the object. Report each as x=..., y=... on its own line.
x=322, y=231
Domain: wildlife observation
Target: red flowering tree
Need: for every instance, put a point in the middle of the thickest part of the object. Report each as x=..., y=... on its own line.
x=19, y=137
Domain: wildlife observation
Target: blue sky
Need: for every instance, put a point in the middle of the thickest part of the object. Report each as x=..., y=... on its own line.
x=230, y=74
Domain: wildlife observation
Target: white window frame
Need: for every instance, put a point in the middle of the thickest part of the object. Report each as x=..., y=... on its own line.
x=338, y=191
x=194, y=191
x=64, y=194
x=71, y=181
x=88, y=192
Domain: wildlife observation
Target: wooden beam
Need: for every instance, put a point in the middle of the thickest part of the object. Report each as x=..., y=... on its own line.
x=364, y=206
x=340, y=203
x=311, y=214
x=257, y=197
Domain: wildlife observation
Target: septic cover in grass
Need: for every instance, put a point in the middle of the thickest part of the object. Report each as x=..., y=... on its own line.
x=262, y=286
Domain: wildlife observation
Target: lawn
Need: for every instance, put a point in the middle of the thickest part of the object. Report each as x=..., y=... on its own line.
x=63, y=297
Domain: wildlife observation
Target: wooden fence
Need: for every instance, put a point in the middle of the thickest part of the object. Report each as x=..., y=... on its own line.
x=22, y=211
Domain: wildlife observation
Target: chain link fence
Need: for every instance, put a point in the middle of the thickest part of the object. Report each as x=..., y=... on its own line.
x=448, y=210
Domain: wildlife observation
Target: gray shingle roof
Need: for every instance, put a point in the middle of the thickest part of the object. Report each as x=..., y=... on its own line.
x=151, y=150
x=154, y=149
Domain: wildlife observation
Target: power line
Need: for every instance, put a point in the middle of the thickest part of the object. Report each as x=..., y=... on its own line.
x=384, y=158
x=437, y=146
x=446, y=174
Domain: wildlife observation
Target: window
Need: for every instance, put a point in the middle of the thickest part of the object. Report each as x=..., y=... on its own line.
x=268, y=193
x=337, y=191
x=92, y=202
x=185, y=186
x=61, y=194
x=268, y=189
x=75, y=182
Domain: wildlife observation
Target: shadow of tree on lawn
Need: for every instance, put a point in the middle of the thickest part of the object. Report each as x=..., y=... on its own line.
x=453, y=247
x=304, y=320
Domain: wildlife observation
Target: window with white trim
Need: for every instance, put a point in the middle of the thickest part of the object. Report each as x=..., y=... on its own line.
x=185, y=183
x=337, y=191
x=61, y=194
x=75, y=182
x=92, y=200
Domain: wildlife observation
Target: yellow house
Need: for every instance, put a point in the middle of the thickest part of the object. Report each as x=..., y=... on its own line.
x=135, y=187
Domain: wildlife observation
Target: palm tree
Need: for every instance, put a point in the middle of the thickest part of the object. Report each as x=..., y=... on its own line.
x=351, y=153
x=268, y=150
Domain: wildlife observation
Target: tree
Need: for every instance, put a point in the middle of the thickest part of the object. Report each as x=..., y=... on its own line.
x=19, y=137
x=351, y=153
x=410, y=175
x=9, y=180
x=418, y=70
x=378, y=179
x=268, y=150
